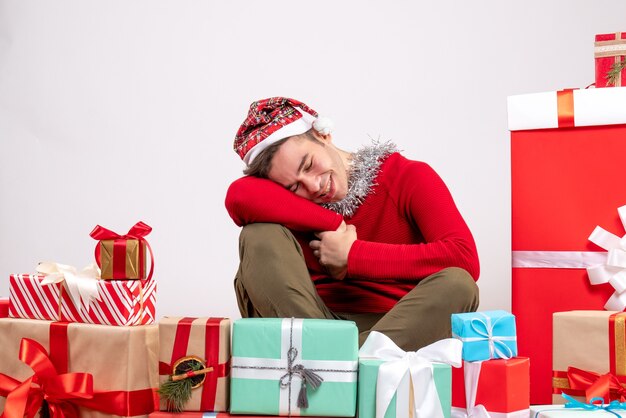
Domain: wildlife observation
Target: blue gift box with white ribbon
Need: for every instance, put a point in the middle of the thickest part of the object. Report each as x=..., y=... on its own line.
x=486, y=335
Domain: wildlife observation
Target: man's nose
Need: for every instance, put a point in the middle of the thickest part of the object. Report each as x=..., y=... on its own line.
x=312, y=184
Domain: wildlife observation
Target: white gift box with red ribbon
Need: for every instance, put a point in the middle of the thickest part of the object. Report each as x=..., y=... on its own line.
x=567, y=108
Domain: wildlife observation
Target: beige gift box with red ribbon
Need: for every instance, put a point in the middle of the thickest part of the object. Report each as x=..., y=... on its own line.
x=207, y=339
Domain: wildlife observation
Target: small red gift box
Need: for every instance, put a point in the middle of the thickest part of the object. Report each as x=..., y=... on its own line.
x=123, y=256
x=610, y=54
x=4, y=307
x=501, y=386
x=121, y=302
x=567, y=156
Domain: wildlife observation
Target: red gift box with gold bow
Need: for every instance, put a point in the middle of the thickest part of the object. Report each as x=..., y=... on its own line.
x=123, y=256
x=567, y=157
x=610, y=54
x=589, y=355
x=208, y=341
x=82, y=370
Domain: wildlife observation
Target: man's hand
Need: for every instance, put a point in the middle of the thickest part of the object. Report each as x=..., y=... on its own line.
x=333, y=247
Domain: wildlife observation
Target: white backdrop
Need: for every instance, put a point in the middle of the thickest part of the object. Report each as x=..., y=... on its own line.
x=117, y=111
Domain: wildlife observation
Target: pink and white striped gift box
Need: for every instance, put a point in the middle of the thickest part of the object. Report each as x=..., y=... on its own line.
x=122, y=302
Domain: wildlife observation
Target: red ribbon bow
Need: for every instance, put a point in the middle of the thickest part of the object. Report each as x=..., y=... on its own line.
x=65, y=392
x=138, y=232
x=595, y=385
x=62, y=392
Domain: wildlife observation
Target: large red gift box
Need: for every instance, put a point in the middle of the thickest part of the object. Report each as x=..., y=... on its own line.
x=503, y=387
x=610, y=50
x=567, y=156
x=122, y=302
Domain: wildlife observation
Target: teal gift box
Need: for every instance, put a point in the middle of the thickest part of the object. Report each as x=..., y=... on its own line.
x=394, y=383
x=402, y=400
x=292, y=366
x=486, y=335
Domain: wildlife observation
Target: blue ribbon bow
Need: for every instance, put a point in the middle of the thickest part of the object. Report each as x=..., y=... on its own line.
x=595, y=404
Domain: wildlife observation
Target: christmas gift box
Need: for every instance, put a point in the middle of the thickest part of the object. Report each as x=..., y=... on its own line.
x=194, y=358
x=91, y=371
x=498, y=387
x=66, y=295
x=123, y=256
x=4, y=307
x=294, y=367
x=567, y=152
x=485, y=335
x=596, y=368
x=398, y=384
x=610, y=55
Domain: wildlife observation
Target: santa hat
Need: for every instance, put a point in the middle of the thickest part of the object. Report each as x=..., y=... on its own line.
x=270, y=120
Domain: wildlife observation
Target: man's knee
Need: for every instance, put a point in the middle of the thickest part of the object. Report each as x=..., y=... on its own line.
x=265, y=240
x=460, y=288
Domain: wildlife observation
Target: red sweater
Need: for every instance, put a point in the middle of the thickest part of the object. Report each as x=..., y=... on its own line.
x=408, y=227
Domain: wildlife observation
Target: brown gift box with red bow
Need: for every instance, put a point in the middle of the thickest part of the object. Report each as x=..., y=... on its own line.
x=589, y=355
x=113, y=369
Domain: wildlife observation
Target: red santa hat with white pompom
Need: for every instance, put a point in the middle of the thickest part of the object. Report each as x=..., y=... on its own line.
x=273, y=119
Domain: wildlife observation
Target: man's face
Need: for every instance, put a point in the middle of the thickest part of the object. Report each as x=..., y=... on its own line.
x=311, y=169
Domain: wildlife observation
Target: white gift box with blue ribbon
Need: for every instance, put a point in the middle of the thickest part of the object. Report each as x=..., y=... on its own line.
x=486, y=335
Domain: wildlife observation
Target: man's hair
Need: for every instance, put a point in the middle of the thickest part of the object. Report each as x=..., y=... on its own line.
x=262, y=163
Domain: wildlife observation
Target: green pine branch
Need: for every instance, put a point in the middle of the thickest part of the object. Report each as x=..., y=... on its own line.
x=614, y=72
x=176, y=394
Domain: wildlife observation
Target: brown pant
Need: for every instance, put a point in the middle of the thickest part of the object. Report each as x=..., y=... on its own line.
x=273, y=282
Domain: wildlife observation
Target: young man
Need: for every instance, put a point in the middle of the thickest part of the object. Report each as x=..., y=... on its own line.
x=368, y=236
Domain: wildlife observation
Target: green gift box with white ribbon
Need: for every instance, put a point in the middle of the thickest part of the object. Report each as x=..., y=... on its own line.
x=398, y=384
x=293, y=366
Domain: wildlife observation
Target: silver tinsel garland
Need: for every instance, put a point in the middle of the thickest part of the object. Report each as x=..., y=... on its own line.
x=364, y=169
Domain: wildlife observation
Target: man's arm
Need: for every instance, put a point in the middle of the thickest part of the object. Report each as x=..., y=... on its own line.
x=252, y=199
x=423, y=198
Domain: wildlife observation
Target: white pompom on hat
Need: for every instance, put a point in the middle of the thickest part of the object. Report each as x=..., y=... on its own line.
x=324, y=125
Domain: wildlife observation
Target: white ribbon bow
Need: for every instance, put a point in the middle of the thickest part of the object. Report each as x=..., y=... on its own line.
x=426, y=403
x=82, y=286
x=614, y=270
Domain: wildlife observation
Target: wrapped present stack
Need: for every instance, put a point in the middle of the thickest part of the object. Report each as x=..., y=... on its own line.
x=398, y=384
x=77, y=345
x=567, y=150
x=492, y=380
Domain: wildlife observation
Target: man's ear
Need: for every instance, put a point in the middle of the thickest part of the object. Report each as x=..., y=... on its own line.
x=325, y=138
